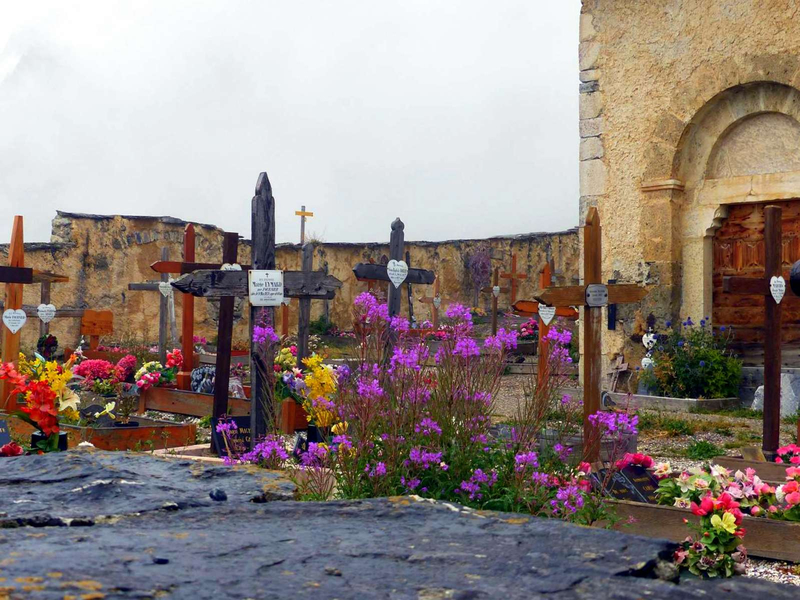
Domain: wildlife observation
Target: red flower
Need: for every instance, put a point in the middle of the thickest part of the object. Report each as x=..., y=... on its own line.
x=174, y=359
x=726, y=501
x=706, y=506
x=11, y=449
x=41, y=407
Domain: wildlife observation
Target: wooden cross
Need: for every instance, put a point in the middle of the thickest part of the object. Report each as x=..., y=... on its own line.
x=772, y=325
x=15, y=276
x=514, y=276
x=302, y=213
x=495, y=290
x=619, y=367
x=435, y=301
x=368, y=271
x=372, y=283
x=527, y=308
x=166, y=309
x=593, y=295
x=221, y=284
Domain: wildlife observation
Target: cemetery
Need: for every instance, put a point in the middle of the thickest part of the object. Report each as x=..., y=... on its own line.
x=612, y=410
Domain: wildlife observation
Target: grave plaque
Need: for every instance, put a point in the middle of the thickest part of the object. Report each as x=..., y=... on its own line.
x=238, y=437
x=596, y=294
x=5, y=436
x=265, y=287
x=633, y=483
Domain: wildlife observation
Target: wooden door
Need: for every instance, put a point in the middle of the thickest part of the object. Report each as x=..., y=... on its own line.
x=739, y=250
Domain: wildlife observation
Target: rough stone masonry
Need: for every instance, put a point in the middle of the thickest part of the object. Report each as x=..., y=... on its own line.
x=89, y=524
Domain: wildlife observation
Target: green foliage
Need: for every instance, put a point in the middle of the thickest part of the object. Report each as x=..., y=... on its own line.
x=671, y=425
x=738, y=413
x=321, y=326
x=702, y=450
x=694, y=362
x=204, y=422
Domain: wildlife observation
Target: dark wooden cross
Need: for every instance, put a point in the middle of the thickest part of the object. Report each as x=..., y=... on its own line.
x=772, y=324
x=167, y=328
x=495, y=290
x=514, y=276
x=231, y=284
x=15, y=276
x=593, y=295
x=371, y=271
x=527, y=308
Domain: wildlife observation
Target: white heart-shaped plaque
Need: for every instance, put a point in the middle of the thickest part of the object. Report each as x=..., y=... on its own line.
x=437, y=302
x=14, y=319
x=649, y=340
x=547, y=313
x=496, y=291
x=165, y=288
x=231, y=267
x=46, y=312
x=647, y=363
x=777, y=287
x=397, y=271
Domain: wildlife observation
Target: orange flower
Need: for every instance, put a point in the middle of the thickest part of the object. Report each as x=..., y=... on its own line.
x=41, y=407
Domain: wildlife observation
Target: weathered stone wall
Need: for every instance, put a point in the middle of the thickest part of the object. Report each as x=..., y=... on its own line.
x=667, y=90
x=103, y=254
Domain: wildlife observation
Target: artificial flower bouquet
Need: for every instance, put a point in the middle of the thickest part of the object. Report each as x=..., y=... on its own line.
x=154, y=374
x=42, y=386
x=529, y=330
x=102, y=377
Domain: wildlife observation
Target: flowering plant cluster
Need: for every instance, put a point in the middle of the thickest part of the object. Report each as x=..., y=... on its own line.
x=42, y=386
x=153, y=373
x=529, y=330
x=788, y=454
x=694, y=361
x=103, y=377
x=317, y=388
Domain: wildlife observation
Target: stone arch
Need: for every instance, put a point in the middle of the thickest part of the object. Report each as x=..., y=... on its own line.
x=703, y=189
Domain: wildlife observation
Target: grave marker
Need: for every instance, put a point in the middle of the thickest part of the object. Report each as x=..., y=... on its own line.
x=591, y=295
x=514, y=276
x=771, y=286
x=435, y=300
x=303, y=213
x=495, y=290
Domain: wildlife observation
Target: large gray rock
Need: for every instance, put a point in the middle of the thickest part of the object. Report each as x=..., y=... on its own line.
x=169, y=538
x=790, y=395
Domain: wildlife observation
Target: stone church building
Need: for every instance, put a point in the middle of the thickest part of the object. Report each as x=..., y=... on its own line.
x=689, y=125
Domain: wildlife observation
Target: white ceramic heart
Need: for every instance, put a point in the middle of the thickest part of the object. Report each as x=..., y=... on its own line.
x=397, y=271
x=165, y=288
x=231, y=267
x=649, y=340
x=496, y=291
x=14, y=319
x=437, y=302
x=46, y=312
x=777, y=287
x=546, y=313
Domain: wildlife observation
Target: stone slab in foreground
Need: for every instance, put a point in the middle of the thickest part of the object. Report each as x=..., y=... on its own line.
x=182, y=544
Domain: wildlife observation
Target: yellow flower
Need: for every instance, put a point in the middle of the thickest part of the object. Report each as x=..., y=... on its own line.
x=68, y=400
x=340, y=428
x=726, y=523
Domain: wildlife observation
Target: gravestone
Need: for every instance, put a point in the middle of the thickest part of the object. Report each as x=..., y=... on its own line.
x=633, y=483
x=5, y=436
x=790, y=395
x=241, y=434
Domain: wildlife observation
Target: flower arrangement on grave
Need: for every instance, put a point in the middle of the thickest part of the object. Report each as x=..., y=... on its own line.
x=42, y=385
x=153, y=373
x=47, y=345
x=318, y=388
x=529, y=330
x=694, y=361
x=104, y=378
x=788, y=454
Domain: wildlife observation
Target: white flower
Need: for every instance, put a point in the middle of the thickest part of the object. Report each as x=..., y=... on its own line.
x=682, y=502
x=68, y=399
x=662, y=469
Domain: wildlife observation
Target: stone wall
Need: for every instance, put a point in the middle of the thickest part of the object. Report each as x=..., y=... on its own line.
x=102, y=254
x=685, y=107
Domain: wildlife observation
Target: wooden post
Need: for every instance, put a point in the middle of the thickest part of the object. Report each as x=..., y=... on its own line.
x=163, y=315
x=435, y=301
x=410, y=293
x=262, y=225
x=13, y=300
x=304, y=314
x=284, y=319
x=302, y=213
x=542, y=370
x=592, y=356
x=44, y=328
x=396, y=242
x=187, y=316
x=222, y=371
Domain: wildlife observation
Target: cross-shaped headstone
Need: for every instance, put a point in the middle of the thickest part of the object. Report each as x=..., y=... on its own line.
x=435, y=300
x=221, y=284
x=167, y=327
x=495, y=290
x=303, y=214
x=593, y=295
x=527, y=308
x=772, y=287
x=514, y=276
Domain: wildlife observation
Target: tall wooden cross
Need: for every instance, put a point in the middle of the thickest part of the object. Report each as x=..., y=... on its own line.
x=593, y=296
x=220, y=284
x=167, y=327
x=435, y=300
x=772, y=287
x=15, y=276
x=393, y=271
x=495, y=290
x=514, y=276
x=527, y=308
x=303, y=213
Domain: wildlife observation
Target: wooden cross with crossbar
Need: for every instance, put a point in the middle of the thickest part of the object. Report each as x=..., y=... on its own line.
x=303, y=213
x=514, y=276
x=495, y=290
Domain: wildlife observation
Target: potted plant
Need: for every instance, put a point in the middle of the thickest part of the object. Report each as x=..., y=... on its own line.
x=41, y=386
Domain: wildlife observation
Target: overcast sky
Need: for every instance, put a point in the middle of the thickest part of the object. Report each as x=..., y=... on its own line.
x=459, y=116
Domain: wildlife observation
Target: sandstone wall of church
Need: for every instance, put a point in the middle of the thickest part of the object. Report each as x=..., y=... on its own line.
x=102, y=254
x=647, y=70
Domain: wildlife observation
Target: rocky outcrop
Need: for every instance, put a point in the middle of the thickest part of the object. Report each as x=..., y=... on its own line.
x=115, y=525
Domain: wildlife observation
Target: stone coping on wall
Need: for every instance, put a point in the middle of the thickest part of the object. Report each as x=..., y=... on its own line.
x=637, y=401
